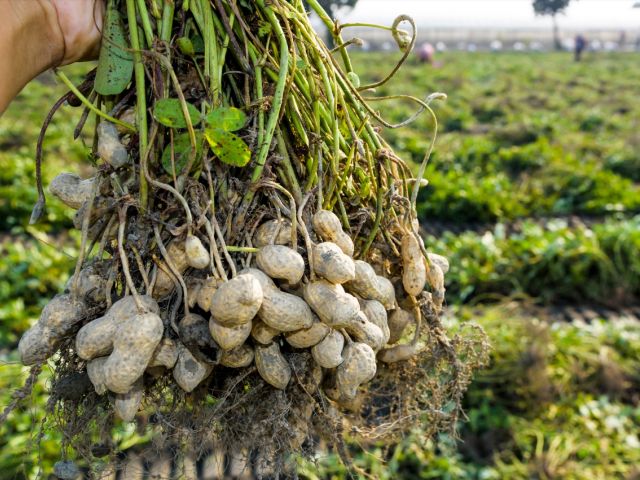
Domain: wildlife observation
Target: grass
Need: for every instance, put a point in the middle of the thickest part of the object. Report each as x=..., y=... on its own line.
x=522, y=135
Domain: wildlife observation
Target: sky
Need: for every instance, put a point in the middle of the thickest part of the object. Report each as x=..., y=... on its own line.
x=582, y=14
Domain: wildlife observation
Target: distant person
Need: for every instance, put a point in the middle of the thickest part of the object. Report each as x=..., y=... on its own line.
x=580, y=45
x=622, y=39
x=426, y=53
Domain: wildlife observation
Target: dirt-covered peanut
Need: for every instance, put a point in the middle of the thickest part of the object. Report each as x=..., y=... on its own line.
x=110, y=149
x=95, y=339
x=414, y=274
x=376, y=314
x=280, y=310
x=126, y=405
x=197, y=255
x=165, y=354
x=328, y=353
x=229, y=338
x=330, y=302
x=358, y=367
x=435, y=277
x=165, y=281
x=189, y=372
x=370, y=286
x=91, y=283
x=272, y=366
x=362, y=330
x=206, y=291
x=59, y=318
x=386, y=294
x=237, y=301
x=439, y=260
x=308, y=337
x=331, y=263
x=273, y=232
x=133, y=345
x=397, y=353
x=284, y=311
x=71, y=190
x=438, y=298
x=398, y=321
x=95, y=371
x=195, y=335
x=328, y=227
x=239, y=357
x=281, y=262
x=263, y=333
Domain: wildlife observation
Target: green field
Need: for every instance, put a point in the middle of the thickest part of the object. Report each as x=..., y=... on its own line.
x=534, y=196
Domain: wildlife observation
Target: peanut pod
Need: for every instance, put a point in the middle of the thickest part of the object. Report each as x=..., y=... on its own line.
x=229, y=338
x=308, y=337
x=71, y=190
x=96, y=338
x=133, y=345
x=126, y=405
x=189, y=372
x=370, y=286
x=272, y=366
x=239, y=357
x=328, y=227
x=280, y=310
x=330, y=302
x=358, y=367
x=331, y=263
x=58, y=319
x=398, y=321
x=397, y=353
x=376, y=314
x=281, y=262
x=414, y=274
x=165, y=279
x=328, y=353
x=237, y=301
x=197, y=256
x=263, y=333
x=273, y=232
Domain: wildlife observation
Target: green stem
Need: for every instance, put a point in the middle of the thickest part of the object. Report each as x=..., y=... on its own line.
x=232, y=248
x=167, y=20
x=141, y=95
x=276, y=106
x=146, y=23
x=332, y=30
x=85, y=101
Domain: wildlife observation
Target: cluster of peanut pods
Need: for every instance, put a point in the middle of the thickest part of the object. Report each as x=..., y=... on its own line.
x=315, y=297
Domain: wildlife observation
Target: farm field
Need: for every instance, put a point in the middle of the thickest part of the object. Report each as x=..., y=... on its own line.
x=534, y=197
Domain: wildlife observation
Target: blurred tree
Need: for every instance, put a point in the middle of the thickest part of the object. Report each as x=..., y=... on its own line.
x=552, y=8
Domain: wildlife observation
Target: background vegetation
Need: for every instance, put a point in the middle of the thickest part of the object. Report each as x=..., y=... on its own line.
x=534, y=196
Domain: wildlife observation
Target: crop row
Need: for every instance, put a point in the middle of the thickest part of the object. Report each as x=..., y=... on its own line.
x=554, y=263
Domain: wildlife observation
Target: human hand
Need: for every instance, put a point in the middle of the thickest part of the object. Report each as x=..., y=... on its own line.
x=80, y=23
x=40, y=34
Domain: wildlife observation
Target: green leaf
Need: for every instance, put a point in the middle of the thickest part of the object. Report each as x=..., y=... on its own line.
x=229, y=119
x=229, y=148
x=115, y=65
x=181, y=153
x=264, y=29
x=168, y=112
